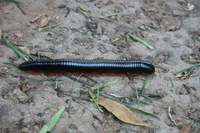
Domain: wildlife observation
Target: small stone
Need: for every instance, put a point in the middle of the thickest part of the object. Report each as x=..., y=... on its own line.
x=142, y=27
x=57, y=17
x=149, y=8
x=190, y=7
x=19, y=35
x=142, y=16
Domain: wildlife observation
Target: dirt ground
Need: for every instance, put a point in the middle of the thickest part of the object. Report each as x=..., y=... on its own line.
x=172, y=27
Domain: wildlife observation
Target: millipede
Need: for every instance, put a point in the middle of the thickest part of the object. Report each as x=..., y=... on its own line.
x=89, y=67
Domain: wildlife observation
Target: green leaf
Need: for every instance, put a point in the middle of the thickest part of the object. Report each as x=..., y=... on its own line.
x=14, y=48
x=51, y=124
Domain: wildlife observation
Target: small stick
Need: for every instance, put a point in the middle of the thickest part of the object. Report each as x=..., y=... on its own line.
x=37, y=17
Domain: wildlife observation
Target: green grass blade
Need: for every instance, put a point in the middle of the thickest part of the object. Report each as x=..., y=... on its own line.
x=14, y=48
x=172, y=85
x=80, y=11
x=101, y=86
x=26, y=53
x=144, y=84
x=96, y=99
x=148, y=98
x=16, y=1
x=45, y=56
x=76, y=80
x=194, y=125
x=197, y=40
x=197, y=65
x=33, y=94
x=142, y=41
x=44, y=28
x=10, y=64
x=88, y=77
x=51, y=124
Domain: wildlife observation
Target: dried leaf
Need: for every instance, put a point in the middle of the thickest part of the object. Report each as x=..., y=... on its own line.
x=183, y=74
x=121, y=112
x=186, y=129
x=25, y=49
x=44, y=21
x=24, y=89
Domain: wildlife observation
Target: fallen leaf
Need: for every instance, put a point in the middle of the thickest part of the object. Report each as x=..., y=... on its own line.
x=24, y=89
x=121, y=112
x=25, y=49
x=44, y=21
x=183, y=74
x=186, y=129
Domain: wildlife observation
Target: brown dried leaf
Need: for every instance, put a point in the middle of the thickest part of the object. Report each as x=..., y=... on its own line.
x=186, y=129
x=24, y=89
x=121, y=112
x=44, y=21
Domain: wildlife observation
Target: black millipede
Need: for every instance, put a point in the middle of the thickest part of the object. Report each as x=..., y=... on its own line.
x=89, y=67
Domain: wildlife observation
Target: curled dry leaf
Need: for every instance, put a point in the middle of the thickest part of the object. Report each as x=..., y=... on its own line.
x=44, y=21
x=186, y=129
x=121, y=112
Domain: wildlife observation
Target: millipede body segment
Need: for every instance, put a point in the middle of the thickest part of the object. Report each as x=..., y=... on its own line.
x=89, y=66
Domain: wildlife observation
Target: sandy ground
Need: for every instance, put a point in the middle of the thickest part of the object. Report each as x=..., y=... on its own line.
x=171, y=26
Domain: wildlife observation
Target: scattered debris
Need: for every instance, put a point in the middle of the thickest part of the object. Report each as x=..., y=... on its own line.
x=190, y=7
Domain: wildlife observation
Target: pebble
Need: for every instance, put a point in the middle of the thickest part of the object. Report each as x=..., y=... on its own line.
x=190, y=7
